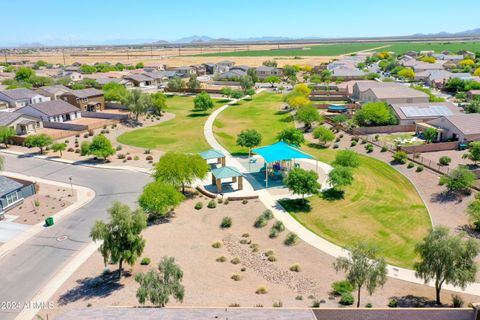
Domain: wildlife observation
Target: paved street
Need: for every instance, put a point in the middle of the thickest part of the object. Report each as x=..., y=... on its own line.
x=26, y=269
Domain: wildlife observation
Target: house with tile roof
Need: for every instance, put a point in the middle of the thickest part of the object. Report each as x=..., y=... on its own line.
x=20, y=97
x=52, y=111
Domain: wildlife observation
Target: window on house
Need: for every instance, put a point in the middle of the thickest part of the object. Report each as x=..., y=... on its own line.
x=11, y=198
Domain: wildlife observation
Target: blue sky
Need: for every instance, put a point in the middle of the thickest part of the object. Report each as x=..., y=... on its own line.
x=89, y=21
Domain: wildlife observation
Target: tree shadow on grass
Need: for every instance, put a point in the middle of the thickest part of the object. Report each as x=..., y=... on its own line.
x=317, y=145
x=332, y=194
x=287, y=119
x=197, y=114
x=411, y=301
x=92, y=287
x=296, y=205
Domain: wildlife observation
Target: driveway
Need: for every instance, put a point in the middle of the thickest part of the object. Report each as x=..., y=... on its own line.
x=28, y=268
x=10, y=229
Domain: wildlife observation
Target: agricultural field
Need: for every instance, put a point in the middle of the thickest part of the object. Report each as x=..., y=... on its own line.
x=347, y=48
x=184, y=133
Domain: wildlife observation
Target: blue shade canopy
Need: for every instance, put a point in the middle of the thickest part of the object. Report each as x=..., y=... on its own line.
x=226, y=172
x=212, y=154
x=281, y=151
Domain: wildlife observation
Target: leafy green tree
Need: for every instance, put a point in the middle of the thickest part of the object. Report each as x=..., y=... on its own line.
x=250, y=92
x=193, y=82
x=340, y=177
x=159, y=102
x=159, y=198
x=372, y=76
x=473, y=153
x=6, y=133
x=203, y=102
x=252, y=72
x=473, y=211
x=270, y=63
x=407, y=73
x=458, y=180
x=86, y=69
x=38, y=140
x=272, y=80
x=59, y=147
x=347, y=158
x=430, y=134
x=473, y=106
x=101, y=147
x=323, y=134
x=139, y=65
x=180, y=169
x=291, y=136
x=237, y=94
x=249, y=138
x=302, y=182
x=374, y=114
x=176, y=83
x=246, y=82
x=290, y=71
x=38, y=81
x=138, y=102
x=121, y=237
x=24, y=74
x=157, y=286
x=400, y=157
x=308, y=115
x=227, y=92
x=446, y=259
x=363, y=269
x=113, y=91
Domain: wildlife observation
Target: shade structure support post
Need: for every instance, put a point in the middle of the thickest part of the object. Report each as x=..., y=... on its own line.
x=266, y=175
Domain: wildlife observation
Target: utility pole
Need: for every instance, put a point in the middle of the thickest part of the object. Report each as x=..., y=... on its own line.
x=63, y=53
x=5, y=55
x=151, y=52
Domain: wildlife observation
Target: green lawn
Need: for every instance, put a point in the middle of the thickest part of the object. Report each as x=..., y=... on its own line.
x=184, y=133
x=345, y=48
x=381, y=207
x=397, y=138
x=262, y=113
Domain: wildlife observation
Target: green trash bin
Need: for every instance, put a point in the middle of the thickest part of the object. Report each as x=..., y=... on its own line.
x=49, y=221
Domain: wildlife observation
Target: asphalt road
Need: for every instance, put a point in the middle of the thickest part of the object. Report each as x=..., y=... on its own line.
x=25, y=270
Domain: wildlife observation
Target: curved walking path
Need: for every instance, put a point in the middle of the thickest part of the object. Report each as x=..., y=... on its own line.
x=306, y=235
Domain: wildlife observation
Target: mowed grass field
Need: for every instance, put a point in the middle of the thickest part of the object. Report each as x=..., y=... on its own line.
x=381, y=207
x=263, y=113
x=346, y=48
x=184, y=133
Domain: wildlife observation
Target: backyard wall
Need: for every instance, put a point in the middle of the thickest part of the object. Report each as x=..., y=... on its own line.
x=431, y=147
x=100, y=115
x=187, y=90
x=384, y=129
x=64, y=126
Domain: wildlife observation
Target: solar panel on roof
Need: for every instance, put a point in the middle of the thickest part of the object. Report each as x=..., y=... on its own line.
x=432, y=111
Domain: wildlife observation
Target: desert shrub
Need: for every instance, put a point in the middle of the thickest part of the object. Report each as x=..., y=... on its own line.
x=221, y=259
x=245, y=235
x=346, y=299
x=255, y=247
x=410, y=165
x=234, y=305
x=272, y=258
x=335, y=146
x=337, y=140
x=90, y=132
x=212, y=204
x=444, y=161
x=419, y=168
x=267, y=214
x=353, y=143
x=316, y=303
x=369, y=305
x=369, y=148
x=291, y=239
x=149, y=158
x=145, y=261
x=70, y=150
x=235, y=277
x=120, y=156
x=457, y=301
x=119, y=147
x=220, y=200
x=261, y=290
x=260, y=222
x=129, y=158
x=217, y=244
x=243, y=269
x=225, y=202
x=269, y=253
x=273, y=233
x=279, y=226
x=299, y=298
x=295, y=267
x=278, y=304
x=226, y=222
x=400, y=157
x=245, y=241
x=77, y=150
x=393, y=303
x=339, y=287
x=85, y=135
x=235, y=260
x=198, y=205
x=147, y=151
x=136, y=158
x=244, y=201
x=384, y=149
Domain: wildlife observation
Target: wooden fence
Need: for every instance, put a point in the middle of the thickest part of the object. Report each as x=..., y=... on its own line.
x=431, y=147
x=384, y=129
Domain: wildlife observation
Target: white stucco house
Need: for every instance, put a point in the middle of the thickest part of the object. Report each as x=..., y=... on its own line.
x=20, y=97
